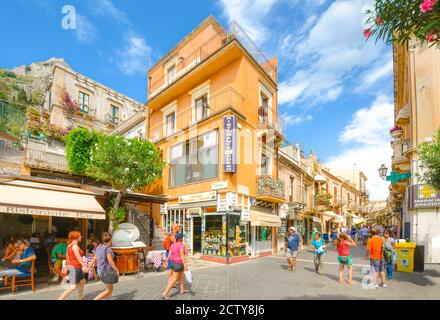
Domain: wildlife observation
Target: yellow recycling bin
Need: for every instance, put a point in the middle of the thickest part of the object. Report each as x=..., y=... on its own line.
x=405, y=256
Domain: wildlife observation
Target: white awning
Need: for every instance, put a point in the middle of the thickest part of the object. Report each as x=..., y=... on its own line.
x=261, y=218
x=328, y=215
x=403, y=113
x=356, y=219
x=319, y=178
x=53, y=201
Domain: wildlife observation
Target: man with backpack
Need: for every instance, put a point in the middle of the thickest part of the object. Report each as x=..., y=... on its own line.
x=292, y=246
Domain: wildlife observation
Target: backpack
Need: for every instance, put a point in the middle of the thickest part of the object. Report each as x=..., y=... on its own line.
x=388, y=252
x=167, y=243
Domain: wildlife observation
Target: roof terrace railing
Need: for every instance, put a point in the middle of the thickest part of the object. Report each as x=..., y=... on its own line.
x=187, y=62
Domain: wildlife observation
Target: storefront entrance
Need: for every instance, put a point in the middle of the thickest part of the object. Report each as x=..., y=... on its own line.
x=197, y=234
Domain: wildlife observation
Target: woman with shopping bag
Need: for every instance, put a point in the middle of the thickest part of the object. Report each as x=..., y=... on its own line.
x=178, y=265
x=74, y=266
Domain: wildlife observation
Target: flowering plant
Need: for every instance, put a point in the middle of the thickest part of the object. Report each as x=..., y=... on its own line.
x=395, y=128
x=397, y=21
x=70, y=106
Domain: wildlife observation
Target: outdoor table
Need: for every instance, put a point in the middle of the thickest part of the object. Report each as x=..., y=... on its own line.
x=157, y=258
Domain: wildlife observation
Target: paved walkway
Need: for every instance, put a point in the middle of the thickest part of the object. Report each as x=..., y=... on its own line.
x=264, y=278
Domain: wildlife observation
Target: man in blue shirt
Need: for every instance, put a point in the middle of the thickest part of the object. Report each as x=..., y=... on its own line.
x=292, y=246
x=23, y=265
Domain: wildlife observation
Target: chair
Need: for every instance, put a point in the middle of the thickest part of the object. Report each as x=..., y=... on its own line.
x=25, y=280
x=5, y=284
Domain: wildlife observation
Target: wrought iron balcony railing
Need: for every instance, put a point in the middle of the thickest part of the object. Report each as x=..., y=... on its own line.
x=270, y=187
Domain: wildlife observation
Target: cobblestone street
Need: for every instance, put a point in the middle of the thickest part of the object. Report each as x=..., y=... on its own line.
x=264, y=278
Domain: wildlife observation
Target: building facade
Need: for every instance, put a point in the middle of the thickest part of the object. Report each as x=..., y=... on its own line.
x=417, y=119
x=213, y=114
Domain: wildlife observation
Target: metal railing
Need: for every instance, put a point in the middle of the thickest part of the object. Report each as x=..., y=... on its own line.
x=270, y=186
x=268, y=117
x=219, y=102
x=186, y=62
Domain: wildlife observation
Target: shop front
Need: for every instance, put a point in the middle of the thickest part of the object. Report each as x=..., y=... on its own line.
x=28, y=207
x=264, y=231
x=210, y=229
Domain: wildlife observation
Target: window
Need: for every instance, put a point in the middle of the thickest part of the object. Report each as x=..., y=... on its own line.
x=264, y=164
x=171, y=73
x=84, y=102
x=114, y=116
x=291, y=189
x=264, y=108
x=194, y=160
x=263, y=233
x=201, y=105
x=170, y=123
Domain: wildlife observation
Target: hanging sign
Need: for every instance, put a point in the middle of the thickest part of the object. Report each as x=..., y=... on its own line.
x=229, y=144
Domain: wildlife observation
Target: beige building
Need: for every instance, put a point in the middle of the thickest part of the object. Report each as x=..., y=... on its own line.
x=299, y=190
x=417, y=118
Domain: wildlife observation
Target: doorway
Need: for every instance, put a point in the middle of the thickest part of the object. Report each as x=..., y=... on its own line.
x=197, y=234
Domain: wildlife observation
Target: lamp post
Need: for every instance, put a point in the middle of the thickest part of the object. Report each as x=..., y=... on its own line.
x=383, y=172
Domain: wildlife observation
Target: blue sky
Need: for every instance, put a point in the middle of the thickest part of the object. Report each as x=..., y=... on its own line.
x=335, y=89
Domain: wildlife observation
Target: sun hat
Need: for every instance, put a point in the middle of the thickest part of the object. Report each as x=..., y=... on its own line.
x=292, y=228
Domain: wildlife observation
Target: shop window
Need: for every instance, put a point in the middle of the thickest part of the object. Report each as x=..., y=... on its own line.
x=194, y=160
x=214, y=241
x=264, y=233
x=237, y=236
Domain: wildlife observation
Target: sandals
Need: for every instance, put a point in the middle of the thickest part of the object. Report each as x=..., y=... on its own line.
x=165, y=297
x=184, y=291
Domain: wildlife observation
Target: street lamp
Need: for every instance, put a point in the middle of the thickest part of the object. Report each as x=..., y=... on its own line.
x=383, y=172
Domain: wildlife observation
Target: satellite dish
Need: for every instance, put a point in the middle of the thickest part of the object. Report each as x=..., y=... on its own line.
x=125, y=235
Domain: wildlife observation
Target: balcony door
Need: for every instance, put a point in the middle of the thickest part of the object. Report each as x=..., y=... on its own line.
x=202, y=108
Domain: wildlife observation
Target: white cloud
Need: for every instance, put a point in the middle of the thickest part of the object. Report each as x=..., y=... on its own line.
x=135, y=55
x=251, y=15
x=366, y=141
x=85, y=31
x=332, y=52
x=382, y=70
x=107, y=8
x=293, y=120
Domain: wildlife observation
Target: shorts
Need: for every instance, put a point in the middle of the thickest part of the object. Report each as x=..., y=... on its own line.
x=75, y=275
x=349, y=260
x=291, y=253
x=377, y=265
x=169, y=262
x=176, y=267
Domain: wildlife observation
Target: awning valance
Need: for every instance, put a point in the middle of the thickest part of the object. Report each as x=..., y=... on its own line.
x=16, y=199
x=260, y=218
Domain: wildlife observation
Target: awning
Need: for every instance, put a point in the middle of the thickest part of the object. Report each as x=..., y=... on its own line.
x=356, y=219
x=320, y=179
x=328, y=215
x=33, y=199
x=260, y=218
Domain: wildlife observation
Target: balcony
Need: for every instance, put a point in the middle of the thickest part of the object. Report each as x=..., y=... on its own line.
x=270, y=119
x=226, y=99
x=399, y=159
x=41, y=155
x=111, y=120
x=270, y=189
x=187, y=62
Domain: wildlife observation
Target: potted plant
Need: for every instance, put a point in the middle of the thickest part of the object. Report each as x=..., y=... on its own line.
x=396, y=132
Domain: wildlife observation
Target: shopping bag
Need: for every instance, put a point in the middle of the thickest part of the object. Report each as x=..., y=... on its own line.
x=189, y=277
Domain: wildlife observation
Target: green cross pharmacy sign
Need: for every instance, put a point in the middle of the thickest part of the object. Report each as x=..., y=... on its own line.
x=395, y=177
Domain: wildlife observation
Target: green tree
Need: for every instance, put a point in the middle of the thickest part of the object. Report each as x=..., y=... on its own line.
x=397, y=21
x=79, y=145
x=125, y=164
x=429, y=156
